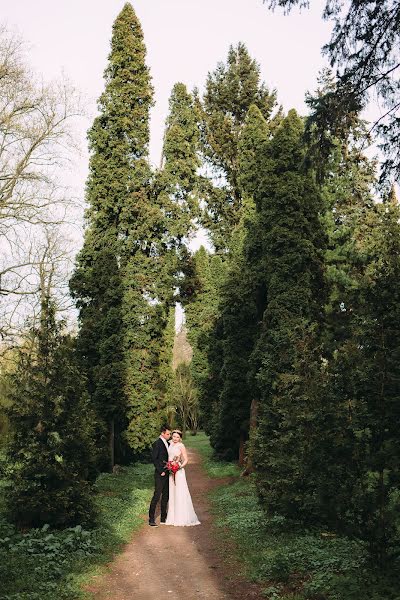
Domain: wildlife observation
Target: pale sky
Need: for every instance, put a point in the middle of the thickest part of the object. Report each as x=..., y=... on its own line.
x=185, y=39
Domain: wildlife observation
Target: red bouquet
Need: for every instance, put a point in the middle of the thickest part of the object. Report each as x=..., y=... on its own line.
x=173, y=467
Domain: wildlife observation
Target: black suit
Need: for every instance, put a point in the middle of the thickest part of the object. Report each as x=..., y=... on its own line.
x=159, y=455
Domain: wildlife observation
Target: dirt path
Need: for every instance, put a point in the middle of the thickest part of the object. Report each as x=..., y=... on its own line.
x=181, y=562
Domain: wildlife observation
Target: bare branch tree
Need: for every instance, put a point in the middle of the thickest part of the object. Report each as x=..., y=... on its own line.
x=36, y=143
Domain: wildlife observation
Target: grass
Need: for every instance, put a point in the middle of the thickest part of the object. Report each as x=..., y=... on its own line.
x=289, y=562
x=45, y=564
x=292, y=563
x=213, y=468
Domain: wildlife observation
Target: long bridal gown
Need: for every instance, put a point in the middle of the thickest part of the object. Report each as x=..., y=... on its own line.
x=180, y=506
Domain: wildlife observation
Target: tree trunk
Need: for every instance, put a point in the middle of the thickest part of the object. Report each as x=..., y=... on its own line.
x=252, y=430
x=241, y=450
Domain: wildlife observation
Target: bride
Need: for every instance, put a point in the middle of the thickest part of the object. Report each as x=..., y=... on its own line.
x=180, y=507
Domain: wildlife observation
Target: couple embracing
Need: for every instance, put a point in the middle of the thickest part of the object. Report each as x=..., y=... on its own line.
x=176, y=502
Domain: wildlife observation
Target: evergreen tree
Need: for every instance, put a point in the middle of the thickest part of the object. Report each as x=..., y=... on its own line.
x=155, y=244
x=116, y=190
x=237, y=327
x=334, y=448
x=51, y=449
x=100, y=344
x=289, y=206
x=181, y=159
x=230, y=91
x=373, y=373
x=241, y=305
x=200, y=293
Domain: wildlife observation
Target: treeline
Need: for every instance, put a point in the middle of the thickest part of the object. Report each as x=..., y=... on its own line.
x=293, y=317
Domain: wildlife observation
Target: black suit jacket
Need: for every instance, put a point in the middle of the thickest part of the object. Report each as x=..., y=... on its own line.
x=159, y=455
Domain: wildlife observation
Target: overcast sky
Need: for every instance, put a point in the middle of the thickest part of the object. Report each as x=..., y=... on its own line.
x=185, y=39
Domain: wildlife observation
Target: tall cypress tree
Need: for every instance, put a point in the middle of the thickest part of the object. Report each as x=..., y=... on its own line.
x=200, y=295
x=155, y=244
x=118, y=176
x=230, y=91
x=334, y=447
x=175, y=188
x=180, y=159
x=289, y=205
x=241, y=303
x=234, y=94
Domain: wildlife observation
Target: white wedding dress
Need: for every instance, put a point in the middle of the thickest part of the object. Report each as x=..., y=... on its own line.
x=180, y=506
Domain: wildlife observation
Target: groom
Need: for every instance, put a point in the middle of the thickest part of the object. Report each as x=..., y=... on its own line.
x=159, y=455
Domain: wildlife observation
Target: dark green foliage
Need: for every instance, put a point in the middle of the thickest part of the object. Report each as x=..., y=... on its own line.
x=289, y=206
x=51, y=450
x=233, y=101
x=200, y=296
x=123, y=128
x=374, y=376
x=96, y=285
x=127, y=271
x=181, y=154
x=151, y=273
x=240, y=306
x=323, y=138
x=356, y=226
x=116, y=192
x=145, y=320
x=287, y=560
x=230, y=91
x=238, y=322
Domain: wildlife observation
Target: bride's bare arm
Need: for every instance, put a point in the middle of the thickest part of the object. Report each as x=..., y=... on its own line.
x=184, y=456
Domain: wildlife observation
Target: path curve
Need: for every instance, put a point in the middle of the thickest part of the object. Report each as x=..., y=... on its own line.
x=176, y=562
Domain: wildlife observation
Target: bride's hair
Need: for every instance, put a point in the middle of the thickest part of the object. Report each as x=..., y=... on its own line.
x=176, y=431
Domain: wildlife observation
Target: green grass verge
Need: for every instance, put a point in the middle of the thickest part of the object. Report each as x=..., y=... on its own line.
x=45, y=564
x=292, y=563
x=213, y=468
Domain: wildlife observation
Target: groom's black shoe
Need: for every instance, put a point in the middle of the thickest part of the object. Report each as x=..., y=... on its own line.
x=153, y=524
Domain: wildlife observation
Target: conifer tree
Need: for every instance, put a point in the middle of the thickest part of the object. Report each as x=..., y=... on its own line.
x=371, y=375
x=155, y=244
x=51, y=449
x=119, y=175
x=241, y=305
x=236, y=327
x=200, y=292
x=181, y=160
x=230, y=91
x=289, y=206
x=379, y=385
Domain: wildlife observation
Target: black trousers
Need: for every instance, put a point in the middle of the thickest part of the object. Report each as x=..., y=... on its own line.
x=161, y=491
